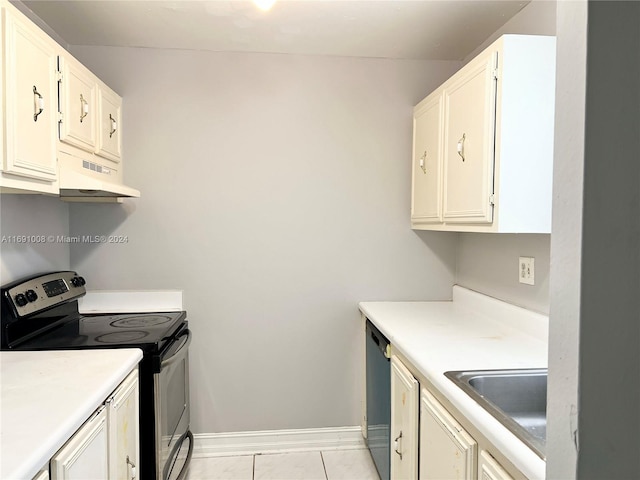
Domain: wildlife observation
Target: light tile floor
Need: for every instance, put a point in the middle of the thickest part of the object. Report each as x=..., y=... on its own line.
x=325, y=465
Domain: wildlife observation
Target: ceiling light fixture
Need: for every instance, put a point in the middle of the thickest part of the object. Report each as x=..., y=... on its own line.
x=264, y=5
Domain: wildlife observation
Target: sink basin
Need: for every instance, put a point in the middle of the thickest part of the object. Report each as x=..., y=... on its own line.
x=516, y=398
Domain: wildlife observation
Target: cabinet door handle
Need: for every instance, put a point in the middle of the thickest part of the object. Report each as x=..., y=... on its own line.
x=423, y=161
x=133, y=468
x=38, y=104
x=397, y=444
x=460, y=146
x=84, y=108
x=114, y=126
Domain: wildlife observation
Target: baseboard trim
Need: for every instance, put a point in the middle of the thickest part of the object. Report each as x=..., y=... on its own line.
x=276, y=441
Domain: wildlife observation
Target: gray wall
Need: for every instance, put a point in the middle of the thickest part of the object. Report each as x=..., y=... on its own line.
x=489, y=263
x=275, y=192
x=594, y=359
x=609, y=357
x=566, y=241
x=32, y=215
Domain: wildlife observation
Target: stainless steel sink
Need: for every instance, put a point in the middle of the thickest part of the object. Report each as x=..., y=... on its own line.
x=516, y=398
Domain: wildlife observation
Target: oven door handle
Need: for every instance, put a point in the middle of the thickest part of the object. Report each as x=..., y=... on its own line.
x=175, y=357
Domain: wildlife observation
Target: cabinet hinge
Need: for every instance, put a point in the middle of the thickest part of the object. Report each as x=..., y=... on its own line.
x=59, y=76
x=495, y=73
x=492, y=199
x=60, y=117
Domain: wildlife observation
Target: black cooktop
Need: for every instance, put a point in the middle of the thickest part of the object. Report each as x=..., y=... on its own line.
x=41, y=313
x=148, y=331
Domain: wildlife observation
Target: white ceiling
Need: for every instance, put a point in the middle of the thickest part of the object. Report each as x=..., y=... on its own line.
x=416, y=29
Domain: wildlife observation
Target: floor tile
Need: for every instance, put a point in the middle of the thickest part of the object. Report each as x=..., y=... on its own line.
x=289, y=466
x=349, y=465
x=221, y=468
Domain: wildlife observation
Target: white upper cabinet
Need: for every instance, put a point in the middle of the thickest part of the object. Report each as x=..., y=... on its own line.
x=469, y=119
x=427, y=167
x=61, y=125
x=29, y=118
x=110, y=108
x=495, y=128
x=78, y=104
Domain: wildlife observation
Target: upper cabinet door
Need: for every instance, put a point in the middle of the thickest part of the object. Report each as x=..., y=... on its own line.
x=110, y=107
x=78, y=105
x=426, y=203
x=470, y=108
x=31, y=99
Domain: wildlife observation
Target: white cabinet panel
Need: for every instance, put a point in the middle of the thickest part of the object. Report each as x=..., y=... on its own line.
x=469, y=119
x=404, y=422
x=110, y=108
x=31, y=100
x=490, y=469
x=427, y=167
x=123, y=430
x=78, y=104
x=44, y=475
x=447, y=451
x=84, y=456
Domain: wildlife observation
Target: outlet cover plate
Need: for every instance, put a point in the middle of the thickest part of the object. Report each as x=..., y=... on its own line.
x=526, y=270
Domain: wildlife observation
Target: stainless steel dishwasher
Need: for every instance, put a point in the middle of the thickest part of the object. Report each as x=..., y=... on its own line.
x=378, y=399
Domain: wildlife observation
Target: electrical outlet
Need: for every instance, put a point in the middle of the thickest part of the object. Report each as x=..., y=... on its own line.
x=526, y=270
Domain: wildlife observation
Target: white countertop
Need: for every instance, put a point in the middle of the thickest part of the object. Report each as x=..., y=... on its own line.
x=469, y=333
x=45, y=396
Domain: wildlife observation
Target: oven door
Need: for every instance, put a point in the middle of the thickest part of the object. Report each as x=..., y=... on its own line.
x=171, y=392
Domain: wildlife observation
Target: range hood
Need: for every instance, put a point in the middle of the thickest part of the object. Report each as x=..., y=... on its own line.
x=81, y=180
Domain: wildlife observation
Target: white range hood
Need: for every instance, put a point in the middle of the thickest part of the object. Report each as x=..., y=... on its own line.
x=81, y=180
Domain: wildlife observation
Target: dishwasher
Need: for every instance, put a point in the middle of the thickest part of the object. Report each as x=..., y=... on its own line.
x=378, y=378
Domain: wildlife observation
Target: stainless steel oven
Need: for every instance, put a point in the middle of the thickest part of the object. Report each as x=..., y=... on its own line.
x=171, y=400
x=41, y=313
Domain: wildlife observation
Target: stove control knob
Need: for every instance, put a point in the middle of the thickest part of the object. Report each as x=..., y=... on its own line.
x=75, y=281
x=20, y=300
x=31, y=295
x=81, y=280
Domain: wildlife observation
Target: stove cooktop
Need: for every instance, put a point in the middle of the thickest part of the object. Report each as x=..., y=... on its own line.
x=148, y=331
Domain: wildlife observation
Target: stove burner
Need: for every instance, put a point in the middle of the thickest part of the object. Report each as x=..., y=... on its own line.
x=141, y=321
x=121, y=337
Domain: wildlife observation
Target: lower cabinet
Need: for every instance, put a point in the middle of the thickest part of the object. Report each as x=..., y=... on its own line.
x=85, y=454
x=443, y=449
x=490, y=469
x=43, y=475
x=447, y=451
x=124, y=442
x=404, y=422
x=106, y=446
